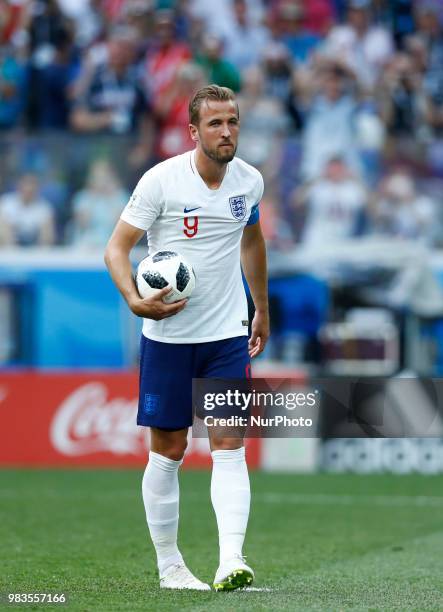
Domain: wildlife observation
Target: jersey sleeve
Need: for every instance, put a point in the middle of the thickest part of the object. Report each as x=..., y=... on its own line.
x=146, y=202
x=255, y=213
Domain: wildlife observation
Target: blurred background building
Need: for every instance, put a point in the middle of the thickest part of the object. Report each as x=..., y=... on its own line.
x=341, y=105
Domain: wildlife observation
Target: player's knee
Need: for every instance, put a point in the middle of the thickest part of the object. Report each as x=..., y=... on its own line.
x=176, y=451
x=225, y=443
x=169, y=444
x=174, y=447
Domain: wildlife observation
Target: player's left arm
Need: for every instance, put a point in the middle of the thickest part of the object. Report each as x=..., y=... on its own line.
x=253, y=260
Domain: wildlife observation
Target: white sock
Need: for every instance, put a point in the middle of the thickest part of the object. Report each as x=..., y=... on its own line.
x=231, y=497
x=161, y=498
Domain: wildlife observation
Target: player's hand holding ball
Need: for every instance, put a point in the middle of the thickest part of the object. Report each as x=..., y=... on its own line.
x=155, y=308
x=164, y=280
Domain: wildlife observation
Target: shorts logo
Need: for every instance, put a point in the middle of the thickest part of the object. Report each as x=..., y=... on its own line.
x=238, y=207
x=152, y=404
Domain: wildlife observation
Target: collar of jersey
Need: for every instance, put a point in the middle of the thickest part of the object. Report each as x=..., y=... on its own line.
x=199, y=178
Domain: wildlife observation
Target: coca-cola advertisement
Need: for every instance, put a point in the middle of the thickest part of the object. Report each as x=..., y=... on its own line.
x=88, y=419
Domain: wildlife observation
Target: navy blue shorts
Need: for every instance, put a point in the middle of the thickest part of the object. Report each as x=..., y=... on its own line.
x=167, y=370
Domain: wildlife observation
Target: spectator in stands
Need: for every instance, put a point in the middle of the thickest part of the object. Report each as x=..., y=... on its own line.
x=244, y=41
x=401, y=97
x=195, y=33
x=278, y=71
x=165, y=58
x=172, y=113
x=276, y=230
x=139, y=16
x=13, y=19
x=113, y=10
x=333, y=206
x=88, y=18
x=217, y=69
x=398, y=16
x=430, y=35
x=56, y=82
x=428, y=17
x=97, y=207
x=46, y=22
x=112, y=99
x=47, y=26
x=319, y=16
x=365, y=47
x=401, y=212
x=12, y=86
x=288, y=27
x=263, y=117
x=309, y=21
x=26, y=218
x=218, y=17
x=331, y=105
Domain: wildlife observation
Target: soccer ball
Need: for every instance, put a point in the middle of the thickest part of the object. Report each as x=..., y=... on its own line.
x=165, y=268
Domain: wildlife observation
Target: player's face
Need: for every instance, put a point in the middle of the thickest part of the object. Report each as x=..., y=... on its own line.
x=217, y=131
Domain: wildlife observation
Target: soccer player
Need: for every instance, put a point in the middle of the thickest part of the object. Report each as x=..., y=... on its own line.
x=204, y=205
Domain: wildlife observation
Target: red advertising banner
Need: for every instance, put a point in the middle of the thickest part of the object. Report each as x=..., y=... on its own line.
x=87, y=419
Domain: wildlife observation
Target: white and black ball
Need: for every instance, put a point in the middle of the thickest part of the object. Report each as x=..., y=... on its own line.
x=164, y=268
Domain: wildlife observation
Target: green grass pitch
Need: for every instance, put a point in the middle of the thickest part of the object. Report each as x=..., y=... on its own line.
x=317, y=542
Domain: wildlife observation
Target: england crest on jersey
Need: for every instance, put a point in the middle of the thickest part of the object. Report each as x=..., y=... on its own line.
x=238, y=207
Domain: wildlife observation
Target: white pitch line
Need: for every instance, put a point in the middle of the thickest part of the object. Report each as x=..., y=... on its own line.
x=254, y=590
x=323, y=499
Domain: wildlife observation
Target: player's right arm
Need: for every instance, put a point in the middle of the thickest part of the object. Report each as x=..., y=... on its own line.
x=122, y=241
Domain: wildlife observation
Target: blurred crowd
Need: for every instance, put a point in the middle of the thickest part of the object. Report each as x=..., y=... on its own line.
x=341, y=107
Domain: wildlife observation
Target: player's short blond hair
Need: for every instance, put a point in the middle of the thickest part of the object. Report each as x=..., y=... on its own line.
x=210, y=92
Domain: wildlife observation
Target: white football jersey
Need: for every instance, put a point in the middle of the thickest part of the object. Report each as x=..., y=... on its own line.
x=333, y=210
x=180, y=213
